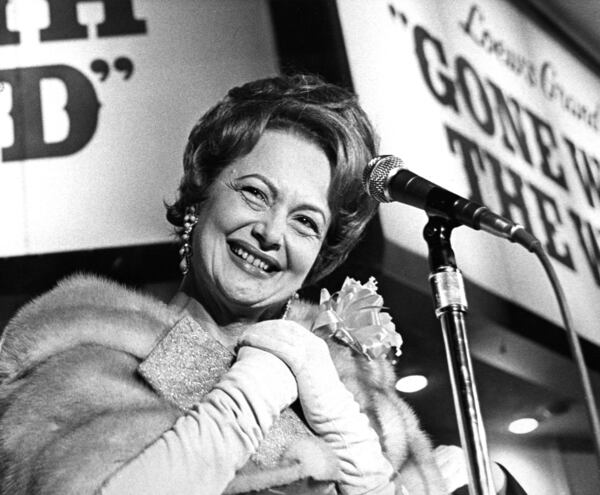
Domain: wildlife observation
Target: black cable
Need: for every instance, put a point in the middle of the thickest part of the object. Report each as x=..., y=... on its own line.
x=574, y=344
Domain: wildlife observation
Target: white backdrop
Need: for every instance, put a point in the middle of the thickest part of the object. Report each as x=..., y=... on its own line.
x=65, y=185
x=478, y=98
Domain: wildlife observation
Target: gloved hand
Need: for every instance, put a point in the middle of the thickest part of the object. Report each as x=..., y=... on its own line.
x=328, y=406
x=450, y=459
x=261, y=380
x=205, y=447
x=452, y=463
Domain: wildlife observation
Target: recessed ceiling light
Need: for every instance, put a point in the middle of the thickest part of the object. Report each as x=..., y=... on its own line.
x=523, y=425
x=411, y=383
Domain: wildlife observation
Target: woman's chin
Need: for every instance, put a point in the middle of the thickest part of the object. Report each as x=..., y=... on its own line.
x=255, y=304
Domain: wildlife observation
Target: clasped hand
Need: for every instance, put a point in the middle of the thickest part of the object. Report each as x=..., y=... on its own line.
x=329, y=408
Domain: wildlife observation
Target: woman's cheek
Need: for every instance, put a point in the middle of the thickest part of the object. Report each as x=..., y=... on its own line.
x=306, y=257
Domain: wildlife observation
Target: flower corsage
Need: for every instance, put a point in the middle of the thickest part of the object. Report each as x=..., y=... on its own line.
x=354, y=316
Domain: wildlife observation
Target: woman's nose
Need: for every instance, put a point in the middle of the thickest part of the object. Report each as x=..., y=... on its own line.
x=269, y=231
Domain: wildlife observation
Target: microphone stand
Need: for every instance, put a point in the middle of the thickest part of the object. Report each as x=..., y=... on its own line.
x=450, y=308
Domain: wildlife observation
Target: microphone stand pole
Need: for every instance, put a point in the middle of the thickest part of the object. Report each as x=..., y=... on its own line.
x=450, y=308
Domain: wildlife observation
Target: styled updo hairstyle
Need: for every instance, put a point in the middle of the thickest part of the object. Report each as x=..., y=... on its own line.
x=324, y=113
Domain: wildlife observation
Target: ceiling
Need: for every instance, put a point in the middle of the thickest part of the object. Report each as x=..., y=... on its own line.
x=577, y=19
x=516, y=376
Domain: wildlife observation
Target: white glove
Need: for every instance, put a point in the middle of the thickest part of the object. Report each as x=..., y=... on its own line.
x=261, y=380
x=208, y=444
x=452, y=463
x=450, y=459
x=329, y=408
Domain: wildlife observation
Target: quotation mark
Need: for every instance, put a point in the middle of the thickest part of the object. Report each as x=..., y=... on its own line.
x=397, y=14
x=121, y=64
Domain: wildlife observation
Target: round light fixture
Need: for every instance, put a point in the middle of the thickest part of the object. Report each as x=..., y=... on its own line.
x=411, y=383
x=523, y=426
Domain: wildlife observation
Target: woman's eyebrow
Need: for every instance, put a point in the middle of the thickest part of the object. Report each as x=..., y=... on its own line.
x=273, y=189
x=316, y=209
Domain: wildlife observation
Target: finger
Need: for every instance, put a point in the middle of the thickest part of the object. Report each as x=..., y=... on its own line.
x=273, y=339
x=279, y=344
x=293, y=344
x=288, y=334
x=449, y=453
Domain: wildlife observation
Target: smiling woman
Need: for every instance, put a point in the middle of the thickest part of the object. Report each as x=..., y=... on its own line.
x=260, y=229
x=235, y=386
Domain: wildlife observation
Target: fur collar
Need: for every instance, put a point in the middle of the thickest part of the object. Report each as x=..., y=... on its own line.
x=84, y=312
x=82, y=309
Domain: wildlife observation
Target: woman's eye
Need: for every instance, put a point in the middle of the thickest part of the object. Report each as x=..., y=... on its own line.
x=309, y=223
x=254, y=194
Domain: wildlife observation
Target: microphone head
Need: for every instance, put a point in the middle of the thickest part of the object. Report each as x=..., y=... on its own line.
x=377, y=175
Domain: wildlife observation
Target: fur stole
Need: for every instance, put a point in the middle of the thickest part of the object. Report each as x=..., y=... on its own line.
x=74, y=407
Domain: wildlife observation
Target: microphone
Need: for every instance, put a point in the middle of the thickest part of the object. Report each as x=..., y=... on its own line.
x=386, y=179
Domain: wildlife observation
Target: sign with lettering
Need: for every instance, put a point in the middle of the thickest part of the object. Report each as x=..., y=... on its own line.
x=479, y=99
x=96, y=101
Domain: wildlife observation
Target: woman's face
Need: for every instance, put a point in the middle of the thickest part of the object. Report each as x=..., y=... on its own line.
x=262, y=226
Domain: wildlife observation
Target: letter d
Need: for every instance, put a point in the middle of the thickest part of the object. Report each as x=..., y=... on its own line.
x=82, y=110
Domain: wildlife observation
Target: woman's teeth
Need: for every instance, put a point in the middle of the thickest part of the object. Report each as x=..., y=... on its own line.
x=251, y=259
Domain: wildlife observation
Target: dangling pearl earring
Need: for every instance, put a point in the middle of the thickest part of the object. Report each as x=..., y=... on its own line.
x=189, y=221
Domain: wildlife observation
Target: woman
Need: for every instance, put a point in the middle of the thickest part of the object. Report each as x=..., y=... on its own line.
x=235, y=386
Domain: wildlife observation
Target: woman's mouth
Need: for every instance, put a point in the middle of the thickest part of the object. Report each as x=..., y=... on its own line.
x=255, y=260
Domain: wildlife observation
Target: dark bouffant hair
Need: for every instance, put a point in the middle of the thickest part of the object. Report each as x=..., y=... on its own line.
x=324, y=113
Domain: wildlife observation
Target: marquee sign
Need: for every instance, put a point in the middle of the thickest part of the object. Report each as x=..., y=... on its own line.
x=476, y=97
x=96, y=101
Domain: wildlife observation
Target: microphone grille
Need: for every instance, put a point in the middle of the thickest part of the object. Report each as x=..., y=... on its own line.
x=377, y=175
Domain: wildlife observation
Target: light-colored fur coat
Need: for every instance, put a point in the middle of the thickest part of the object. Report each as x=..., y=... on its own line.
x=74, y=406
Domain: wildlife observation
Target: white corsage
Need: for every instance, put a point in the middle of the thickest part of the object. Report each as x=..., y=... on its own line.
x=354, y=316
